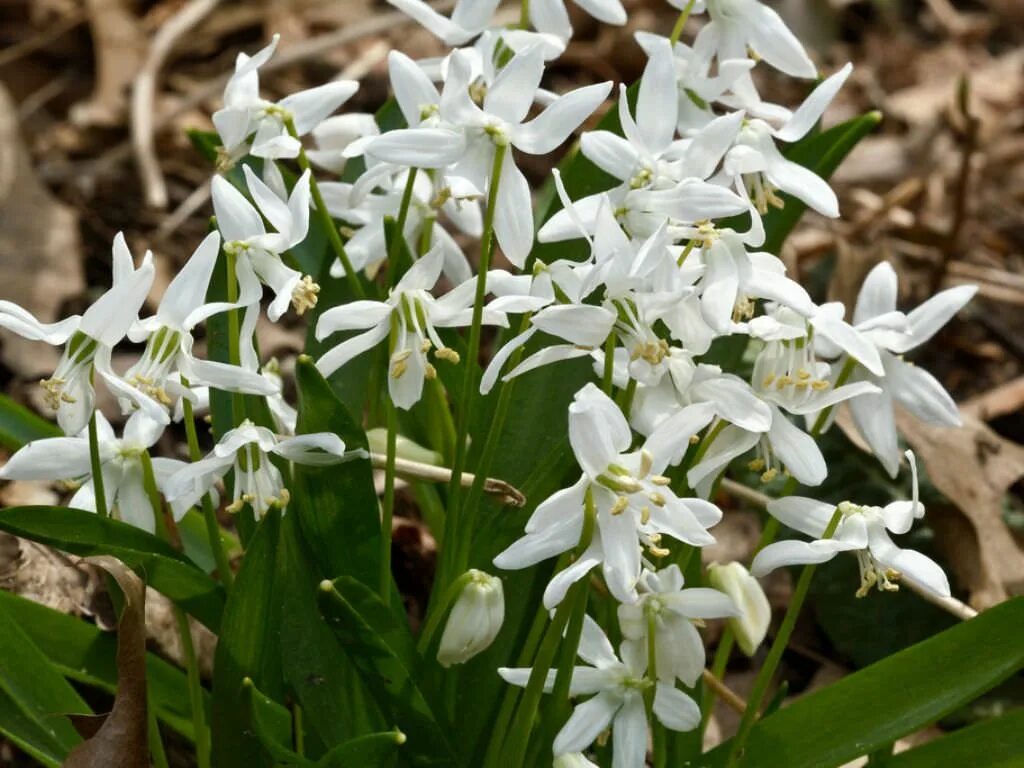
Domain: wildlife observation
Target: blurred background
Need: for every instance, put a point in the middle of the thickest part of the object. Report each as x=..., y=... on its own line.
x=96, y=97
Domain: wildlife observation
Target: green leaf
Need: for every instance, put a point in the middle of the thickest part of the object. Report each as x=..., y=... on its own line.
x=248, y=648
x=336, y=505
x=996, y=743
x=36, y=697
x=888, y=700
x=85, y=654
x=86, y=533
x=388, y=679
x=317, y=669
x=394, y=631
x=18, y=425
x=272, y=725
x=376, y=749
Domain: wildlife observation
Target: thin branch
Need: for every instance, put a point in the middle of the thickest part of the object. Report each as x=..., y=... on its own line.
x=734, y=701
x=951, y=605
x=144, y=92
x=414, y=470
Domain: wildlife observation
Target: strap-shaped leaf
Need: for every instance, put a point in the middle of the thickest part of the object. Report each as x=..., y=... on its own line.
x=18, y=425
x=83, y=653
x=86, y=534
x=388, y=679
x=996, y=743
x=34, y=697
x=888, y=700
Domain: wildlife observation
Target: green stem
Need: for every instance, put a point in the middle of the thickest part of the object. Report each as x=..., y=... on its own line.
x=97, y=469
x=195, y=690
x=657, y=732
x=677, y=30
x=524, y=14
x=626, y=398
x=403, y=217
x=608, y=374
x=389, y=501
x=463, y=420
x=156, y=743
x=209, y=513
x=718, y=666
x=234, y=336
x=764, y=677
x=333, y=235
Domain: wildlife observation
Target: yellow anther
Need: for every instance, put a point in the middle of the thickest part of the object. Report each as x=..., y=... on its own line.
x=656, y=499
x=449, y=354
x=646, y=460
x=757, y=465
x=620, y=505
x=768, y=380
x=783, y=381
x=769, y=475
x=658, y=551
x=820, y=385
x=645, y=515
x=660, y=480
x=425, y=346
x=430, y=372
x=304, y=295
x=694, y=439
x=398, y=369
x=803, y=373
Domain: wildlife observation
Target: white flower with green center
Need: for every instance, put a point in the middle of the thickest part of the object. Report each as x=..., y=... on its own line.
x=863, y=530
x=624, y=495
x=246, y=114
x=90, y=340
x=258, y=253
x=168, y=336
x=67, y=458
x=617, y=688
x=409, y=320
x=673, y=614
x=247, y=450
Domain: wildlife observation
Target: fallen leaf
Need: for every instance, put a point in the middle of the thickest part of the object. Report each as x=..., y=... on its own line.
x=122, y=737
x=973, y=467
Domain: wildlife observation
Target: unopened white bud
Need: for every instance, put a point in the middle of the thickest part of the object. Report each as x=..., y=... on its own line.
x=474, y=621
x=751, y=626
x=404, y=447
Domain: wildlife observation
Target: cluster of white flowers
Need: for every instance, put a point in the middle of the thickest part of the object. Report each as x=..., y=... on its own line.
x=669, y=271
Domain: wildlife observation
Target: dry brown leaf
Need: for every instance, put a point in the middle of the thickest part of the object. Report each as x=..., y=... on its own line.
x=39, y=246
x=973, y=467
x=122, y=738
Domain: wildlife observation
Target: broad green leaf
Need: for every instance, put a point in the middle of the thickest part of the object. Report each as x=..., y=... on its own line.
x=272, y=724
x=394, y=631
x=86, y=533
x=336, y=505
x=996, y=743
x=888, y=700
x=83, y=653
x=317, y=669
x=390, y=681
x=376, y=749
x=37, y=696
x=18, y=425
x=248, y=648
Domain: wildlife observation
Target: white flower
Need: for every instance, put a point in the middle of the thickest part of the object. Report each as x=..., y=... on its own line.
x=755, y=613
x=679, y=649
x=410, y=317
x=247, y=449
x=619, y=701
x=90, y=341
x=474, y=621
x=258, y=252
x=168, y=334
x=245, y=113
x=432, y=195
x=893, y=334
x=335, y=135
x=632, y=502
x=863, y=530
x=739, y=25
x=759, y=168
x=499, y=121
x=67, y=458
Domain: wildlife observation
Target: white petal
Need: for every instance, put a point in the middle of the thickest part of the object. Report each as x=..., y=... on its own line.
x=236, y=218
x=317, y=449
x=671, y=439
x=511, y=94
x=847, y=338
x=54, y=458
x=783, y=553
x=874, y=419
x=808, y=516
x=419, y=147
x=595, y=648
x=927, y=319
x=704, y=603
x=549, y=16
x=493, y=370
x=352, y=316
x=629, y=733
x=583, y=324
x=513, y=216
x=112, y=314
x=877, y=295
x=658, y=98
x=550, y=128
x=333, y=359
x=559, y=585
x=921, y=393
x=803, y=184
x=311, y=106
x=598, y=431
x=797, y=450
x=674, y=709
x=587, y=721
x=914, y=565
x=608, y=11
x=772, y=41
x=609, y=152
x=808, y=113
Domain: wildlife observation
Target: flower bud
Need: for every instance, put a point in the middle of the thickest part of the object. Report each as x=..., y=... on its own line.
x=404, y=447
x=751, y=625
x=474, y=620
x=573, y=760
